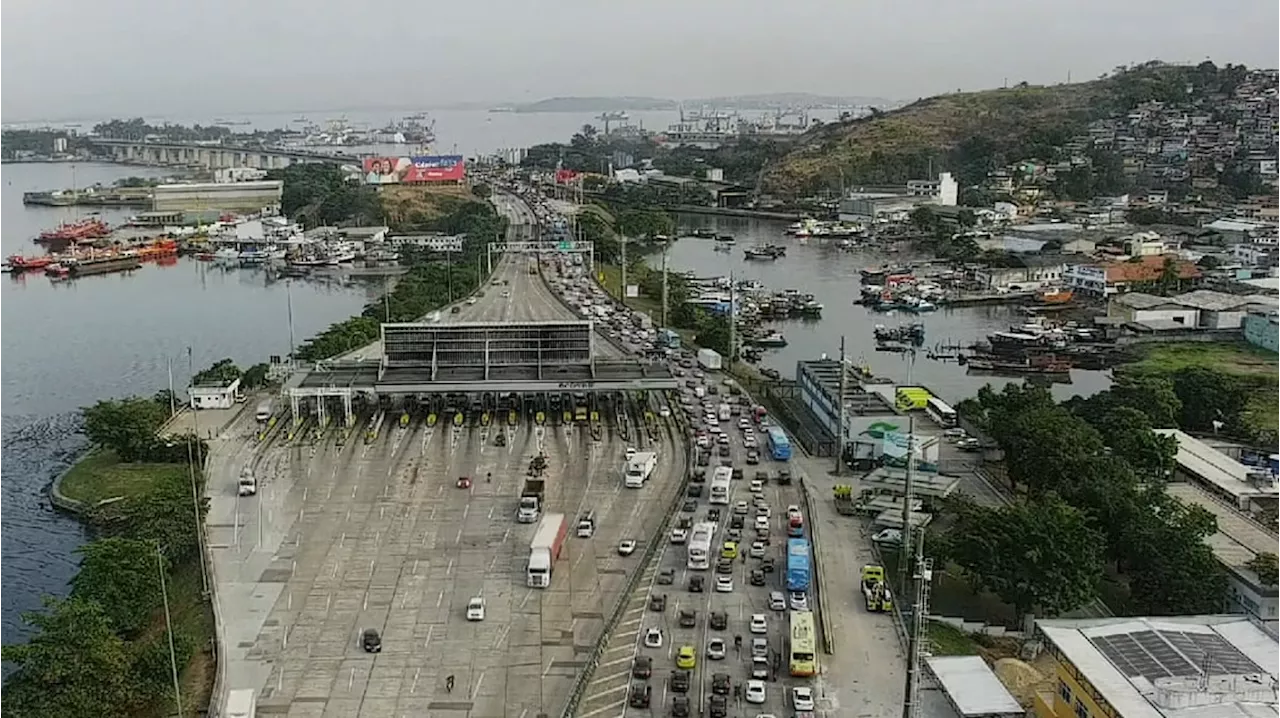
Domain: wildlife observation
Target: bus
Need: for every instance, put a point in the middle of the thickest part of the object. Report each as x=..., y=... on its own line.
x=779, y=444
x=941, y=414
x=803, y=650
x=700, y=546
x=720, y=481
x=797, y=564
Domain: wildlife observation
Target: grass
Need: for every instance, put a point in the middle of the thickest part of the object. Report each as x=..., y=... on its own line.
x=417, y=203
x=1259, y=367
x=947, y=640
x=101, y=475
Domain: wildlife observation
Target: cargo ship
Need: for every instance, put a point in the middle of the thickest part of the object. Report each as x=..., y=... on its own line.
x=104, y=264
x=69, y=232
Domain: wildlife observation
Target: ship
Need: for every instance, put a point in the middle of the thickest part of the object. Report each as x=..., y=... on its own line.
x=907, y=333
x=103, y=264
x=772, y=339
x=703, y=233
x=81, y=231
x=1042, y=365
x=1056, y=296
x=158, y=249
x=17, y=263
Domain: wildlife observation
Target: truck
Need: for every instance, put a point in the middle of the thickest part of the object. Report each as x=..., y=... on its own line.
x=639, y=468
x=709, y=359
x=544, y=549
x=875, y=591
x=240, y=704
x=531, y=501
x=726, y=412
x=264, y=411
x=844, y=500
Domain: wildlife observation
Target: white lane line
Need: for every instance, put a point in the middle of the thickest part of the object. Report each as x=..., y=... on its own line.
x=610, y=707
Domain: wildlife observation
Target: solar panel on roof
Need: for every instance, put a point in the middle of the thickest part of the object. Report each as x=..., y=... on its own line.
x=1211, y=653
x=1164, y=654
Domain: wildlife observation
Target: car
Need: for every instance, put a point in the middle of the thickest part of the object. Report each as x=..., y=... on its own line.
x=753, y=457
x=758, y=549
x=766, y=564
x=724, y=451
x=630, y=452
x=696, y=584
x=693, y=491
x=724, y=584
x=955, y=433
x=760, y=668
x=719, y=620
x=741, y=508
x=472, y=300
x=716, y=649
x=679, y=535
x=729, y=550
x=724, y=565
x=718, y=707
x=799, y=601
x=762, y=509
x=784, y=477
x=777, y=602
x=723, y=439
x=666, y=577
x=889, y=537
x=370, y=641
x=734, y=535
x=704, y=459
x=680, y=681
x=689, y=506
x=506, y=294
x=757, y=577
x=658, y=602
x=640, y=695
x=793, y=512
x=688, y=618
x=475, y=609
x=699, y=476
x=759, y=647
x=759, y=624
x=802, y=698
x=626, y=547
x=653, y=638
x=642, y=667
x=713, y=515
x=687, y=657
x=464, y=482
x=721, y=684
x=744, y=423
x=755, y=691
x=757, y=486
x=680, y=707
x=762, y=523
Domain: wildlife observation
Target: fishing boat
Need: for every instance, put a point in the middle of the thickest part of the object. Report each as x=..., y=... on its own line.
x=1056, y=296
x=103, y=264
x=702, y=233
x=1042, y=365
x=759, y=254
x=227, y=254
x=906, y=333
x=17, y=263
x=57, y=271
x=81, y=231
x=917, y=305
x=726, y=240
x=772, y=339
x=158, y=250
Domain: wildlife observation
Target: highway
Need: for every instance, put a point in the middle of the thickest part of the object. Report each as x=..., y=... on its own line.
x=347, y=534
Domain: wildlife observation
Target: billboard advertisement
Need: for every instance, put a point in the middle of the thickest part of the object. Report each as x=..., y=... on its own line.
x=414, y=170
x=566, y=176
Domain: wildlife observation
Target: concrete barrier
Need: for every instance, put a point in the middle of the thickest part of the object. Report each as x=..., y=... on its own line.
x=828, y=641
x=62, y=501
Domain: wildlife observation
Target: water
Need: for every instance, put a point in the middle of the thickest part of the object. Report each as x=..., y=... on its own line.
x=67, y=345
x=832, y=276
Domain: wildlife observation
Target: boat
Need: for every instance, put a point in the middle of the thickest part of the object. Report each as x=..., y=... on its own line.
x=17, y=263
x=917, y=305
x=227, y=254
x=906, y=333
x=759, y=254
x=81, y=231
x=726, y=239
x=119, y=262
x=57, y=271
x=1056, y=296
x=1045, y=364
x=772, y=339
x=157, y=250
x=702, y=233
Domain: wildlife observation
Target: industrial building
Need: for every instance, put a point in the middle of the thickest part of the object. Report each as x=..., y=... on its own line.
x=1174, y=667
x=880, y=204
x=225, y=196
x=218, y=395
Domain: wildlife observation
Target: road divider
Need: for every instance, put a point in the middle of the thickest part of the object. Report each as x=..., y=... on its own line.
x=824, y=628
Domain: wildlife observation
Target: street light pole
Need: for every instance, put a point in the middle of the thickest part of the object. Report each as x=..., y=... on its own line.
x=191, y=471
x=168, y=624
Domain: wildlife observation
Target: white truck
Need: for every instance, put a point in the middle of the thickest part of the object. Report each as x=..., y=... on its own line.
x=639, y=468
x=544, y=549
x=240, y=704
x=531, y=501
x=726, y=412
x=709, y=359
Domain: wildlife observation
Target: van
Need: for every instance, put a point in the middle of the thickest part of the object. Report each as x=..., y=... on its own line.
x=263, y=414
x=586, y=525
x=248, y=484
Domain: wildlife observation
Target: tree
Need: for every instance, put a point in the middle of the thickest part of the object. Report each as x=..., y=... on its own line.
x=126, y=426
x=162, y=515
x=482, y=190
x=119, y=574
x=1170, y=569
x=74, y=667
x=1041, y=443
x=714, y=334
x=1129, y=434
x=1209, y=396
x=255, y=376
x=223, y=371
x=167, y=400
x=1264, y=564
x=1042, y=556
x=646, y=223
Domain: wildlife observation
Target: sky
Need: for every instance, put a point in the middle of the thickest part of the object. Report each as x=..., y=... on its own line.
x=75, y=59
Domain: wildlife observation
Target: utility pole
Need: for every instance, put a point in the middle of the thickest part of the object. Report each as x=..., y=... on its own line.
x=386, y=298
x=622, y=239
x=191, y=471
x=168, y=624
x=733, y=320
x=923, y=576
x=844, y=392
x=664, y=282
x=288, y=293
x=904, y=551
x=173, y=398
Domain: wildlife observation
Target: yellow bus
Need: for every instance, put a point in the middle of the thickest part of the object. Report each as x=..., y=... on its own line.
x=804, y=648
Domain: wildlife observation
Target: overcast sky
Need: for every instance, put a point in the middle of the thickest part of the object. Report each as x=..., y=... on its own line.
x=89, y=58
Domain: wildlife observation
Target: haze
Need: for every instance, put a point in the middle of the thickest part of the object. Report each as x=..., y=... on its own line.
x=82, y=59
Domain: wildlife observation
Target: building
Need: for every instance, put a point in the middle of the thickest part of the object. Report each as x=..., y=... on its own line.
x=1219, y=310
x=972, y=689
x=239, y=174
x=228, y=196
x=214, y=395
x=1012, y=245
x=1033, y=271
x=1262, y=329
x=1142, y=308
x=1107, y=279
x=882, y=204
x=1240, y=230
x=944, y=190
x=1176, y=667
x=1243, y=487
x=1199, y=309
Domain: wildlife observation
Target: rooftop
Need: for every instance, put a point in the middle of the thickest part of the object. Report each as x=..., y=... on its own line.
x=1238, y=538
x=1217, y=469
x=1175, y=667
x=972, y=687
x=1209, y=300
x=1141, y=300
x=1148, y=269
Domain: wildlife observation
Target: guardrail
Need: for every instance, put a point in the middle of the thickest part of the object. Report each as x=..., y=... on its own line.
x=651, y=551
x=828, y=641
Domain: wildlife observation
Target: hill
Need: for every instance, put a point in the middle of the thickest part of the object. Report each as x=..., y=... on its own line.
x=967, y=133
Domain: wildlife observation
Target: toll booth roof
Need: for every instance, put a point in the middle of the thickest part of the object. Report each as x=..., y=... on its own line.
x=972, y=688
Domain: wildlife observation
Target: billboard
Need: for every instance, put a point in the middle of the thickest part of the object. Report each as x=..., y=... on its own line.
x=413, y=170
x=566, y=176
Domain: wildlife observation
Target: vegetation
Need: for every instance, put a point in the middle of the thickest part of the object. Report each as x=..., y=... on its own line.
x=320, y=194
x=222, y=373
x=1107, y=498
x=1264, y=564
x=38, y=142
x=104, y=650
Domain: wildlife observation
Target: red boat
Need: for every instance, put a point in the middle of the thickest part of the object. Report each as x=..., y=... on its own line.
x=19, y=263
x=83, y=230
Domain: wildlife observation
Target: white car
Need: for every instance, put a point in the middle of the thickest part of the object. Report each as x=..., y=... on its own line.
x=722, y=439
x=802, y=698
x=793, y=512
x=762, y=508
x=759, y=624
x=724, y=584
x=757, y=486
x=653, y=638
x=799, y=601
x=679, y=535
x=506, y=294
x=475, y=609
x=777, y=602
x=626, y=547
x=716, y=649
x=630, y=452
x=762, y=523
x=704, y=441
x=755, y=691
x=741, y=508
x=759, y=647
x=472, y=300
x=888, y=536
x=744, y=423
x=757, y=549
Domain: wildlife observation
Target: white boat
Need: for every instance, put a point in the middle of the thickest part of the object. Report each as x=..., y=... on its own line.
x=226, y=254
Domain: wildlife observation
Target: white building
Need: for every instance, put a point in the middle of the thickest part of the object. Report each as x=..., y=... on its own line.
x=885, y=204
x=944, y=190
x=214, y=396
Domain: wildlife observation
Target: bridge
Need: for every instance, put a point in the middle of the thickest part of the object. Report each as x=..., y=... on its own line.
x=210, y=156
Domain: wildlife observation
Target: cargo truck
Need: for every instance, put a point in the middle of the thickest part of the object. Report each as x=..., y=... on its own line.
x=639, y=468
x=531, y=501
x=544, y=549
x=709, y=359
x=875, y=592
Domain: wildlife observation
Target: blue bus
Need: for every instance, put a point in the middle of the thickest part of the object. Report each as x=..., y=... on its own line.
x=779, y=444
x=797, y=564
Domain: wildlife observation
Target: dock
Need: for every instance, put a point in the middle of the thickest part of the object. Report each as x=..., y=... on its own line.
x=112, y=197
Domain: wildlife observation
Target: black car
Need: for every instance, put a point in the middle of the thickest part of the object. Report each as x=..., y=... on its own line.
x=642, y=668
x=719, y=706
x=688, y=618
x=699, y=476
x=723, y=450
x=762, y=476
x=713, y=515
x=371, y=641
x=694, y=491
x=704, y=458
x=737, y=474
x=689, y=506
x=724, y=565
x=686, y=522
x=658, y=603
x=766, y=564
x=680, y=707
x=696, y=584
x=720, y=684
x=680, y=681
x=640, y=695
x=736, y=522
x=666, y=577
x=784, y=477
x=757, y=577
x=719, y=620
